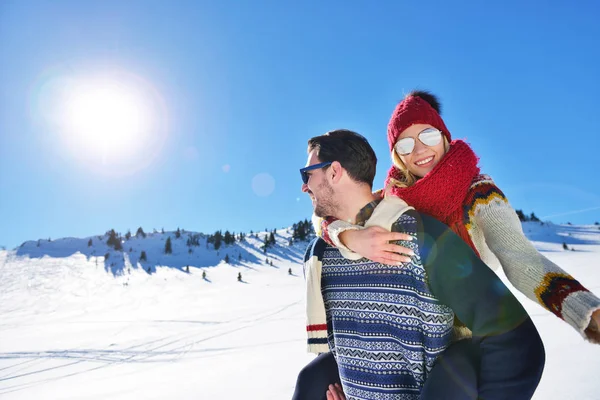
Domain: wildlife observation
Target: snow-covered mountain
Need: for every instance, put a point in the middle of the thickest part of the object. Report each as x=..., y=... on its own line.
x=147, y=251
x=76, y=324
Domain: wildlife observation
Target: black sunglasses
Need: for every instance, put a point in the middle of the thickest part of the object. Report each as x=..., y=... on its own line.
x=304, y=171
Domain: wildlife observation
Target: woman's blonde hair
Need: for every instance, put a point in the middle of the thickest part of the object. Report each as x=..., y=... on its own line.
x=408, y=178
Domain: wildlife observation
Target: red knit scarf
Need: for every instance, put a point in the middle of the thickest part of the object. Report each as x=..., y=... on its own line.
x=442, y=192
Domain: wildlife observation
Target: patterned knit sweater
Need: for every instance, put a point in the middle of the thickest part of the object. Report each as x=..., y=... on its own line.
x=497, y=234
x=384, y=326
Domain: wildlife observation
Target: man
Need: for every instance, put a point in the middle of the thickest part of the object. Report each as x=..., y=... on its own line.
x=387, y=325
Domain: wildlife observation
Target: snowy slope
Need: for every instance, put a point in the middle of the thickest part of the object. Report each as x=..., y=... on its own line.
x=75, y=325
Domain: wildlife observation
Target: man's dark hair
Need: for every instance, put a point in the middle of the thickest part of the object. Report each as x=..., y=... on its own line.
x=351, y=150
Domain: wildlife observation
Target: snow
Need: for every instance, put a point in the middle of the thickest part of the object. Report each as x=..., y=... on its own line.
x=77, y=326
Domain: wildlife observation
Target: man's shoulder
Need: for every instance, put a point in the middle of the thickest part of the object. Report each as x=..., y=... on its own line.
x=315, y=248
x=388, y=212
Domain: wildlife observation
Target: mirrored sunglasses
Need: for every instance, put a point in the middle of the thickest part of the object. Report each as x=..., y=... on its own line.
x=429, y=137
x=304, y=171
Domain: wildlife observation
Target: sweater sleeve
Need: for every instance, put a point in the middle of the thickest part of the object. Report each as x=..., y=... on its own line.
x=329, y=229
x=529, y=271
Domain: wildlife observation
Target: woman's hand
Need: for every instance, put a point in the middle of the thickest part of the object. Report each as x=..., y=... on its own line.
x=335, y=392
x=374, y=243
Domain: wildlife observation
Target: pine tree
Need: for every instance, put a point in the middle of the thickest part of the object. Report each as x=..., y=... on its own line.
x=203, y=274
x=565, y=247
x=301, y=230
x=227, y=258
x=239, y=276
x=140, y=232
x=114, y=240
x=128, y=234
x=534, y=218
x=177, y=233
x=143, y=256
x=90, y=243
x=272, y=239
x=193, y=240
x=228, y=238
x=216, y=240
x=290, y=271
x=187, y=269
x=168, y=248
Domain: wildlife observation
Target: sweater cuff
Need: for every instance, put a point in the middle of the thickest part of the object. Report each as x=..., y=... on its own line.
x=577, y=310
x=334, y=229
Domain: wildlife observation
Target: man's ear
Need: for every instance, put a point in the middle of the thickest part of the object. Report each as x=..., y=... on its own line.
x=336, y=172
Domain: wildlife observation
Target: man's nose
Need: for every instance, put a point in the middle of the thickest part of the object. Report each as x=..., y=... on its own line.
x=304, y=188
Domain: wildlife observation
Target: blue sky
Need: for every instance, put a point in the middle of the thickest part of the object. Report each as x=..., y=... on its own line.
x=234, y=91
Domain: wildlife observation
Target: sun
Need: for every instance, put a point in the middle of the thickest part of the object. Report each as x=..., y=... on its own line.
x=106, y=116
x=112, y=122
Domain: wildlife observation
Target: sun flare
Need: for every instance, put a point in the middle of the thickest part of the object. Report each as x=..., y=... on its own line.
x=106, y=118
x=113, y=123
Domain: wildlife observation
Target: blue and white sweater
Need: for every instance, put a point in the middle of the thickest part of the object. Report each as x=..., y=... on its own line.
x=387, y=324
x=383, y=324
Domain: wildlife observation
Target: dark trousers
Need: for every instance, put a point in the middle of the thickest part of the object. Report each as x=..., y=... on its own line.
x=467, y=370
x=314, y=379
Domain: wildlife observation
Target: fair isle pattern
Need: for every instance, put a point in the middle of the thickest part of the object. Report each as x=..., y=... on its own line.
x=497, y=233
x=384, y=326
x=480, y=194
x=555, y=288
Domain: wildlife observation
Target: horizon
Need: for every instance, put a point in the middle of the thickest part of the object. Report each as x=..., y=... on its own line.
x=116, y=115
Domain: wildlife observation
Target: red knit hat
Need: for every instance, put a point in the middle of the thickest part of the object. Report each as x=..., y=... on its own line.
x=416, y=108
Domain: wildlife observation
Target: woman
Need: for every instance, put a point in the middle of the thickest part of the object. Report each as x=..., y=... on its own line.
x=440, y=177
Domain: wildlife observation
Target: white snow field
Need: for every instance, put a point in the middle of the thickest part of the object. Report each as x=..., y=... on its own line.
x=74, y=325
